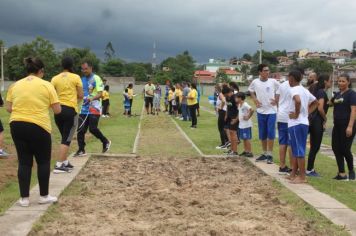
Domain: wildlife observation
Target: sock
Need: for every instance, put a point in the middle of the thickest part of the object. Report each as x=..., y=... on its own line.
x=66, y=162
x=1, y=150
x=59, y=164
x=269, y=153
x=265, y=153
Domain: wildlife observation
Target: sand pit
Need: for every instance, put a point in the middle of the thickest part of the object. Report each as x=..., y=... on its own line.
x=172, y=196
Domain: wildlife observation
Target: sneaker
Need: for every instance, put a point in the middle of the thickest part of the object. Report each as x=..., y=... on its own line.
x=284, y=171
x=193, y=127
x=269, y=160
x=232, y=154
x=263, y=157
x=106, y=146
x=220, y=147
x=249, y=154
x=24, y=202
x=352, y=175
x=228, y=152
x=228, y=144
x=61, y=169
x=181, y=118
x=47, y=199
x=3, y=154
x=243, y=154
x=339, y=177
x=79, y=153
x=69, y=166
x=312, y=173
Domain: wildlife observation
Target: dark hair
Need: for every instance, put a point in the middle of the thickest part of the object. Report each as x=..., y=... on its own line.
x=126, y=90
x=194, y=86
x=130, y=85
x=173, y=88
x=296, y=75
x=234, y=86
x=261, y=66
x=67, y=64
x=106, y=88
x=241, y=95
x=33, y=65
x=321, y=81
x=300, y=69
x=225, y=90
x=88, y=62
x=347, y=77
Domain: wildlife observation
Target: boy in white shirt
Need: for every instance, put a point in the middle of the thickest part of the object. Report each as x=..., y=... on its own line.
x=245, y=123
x=302, y=103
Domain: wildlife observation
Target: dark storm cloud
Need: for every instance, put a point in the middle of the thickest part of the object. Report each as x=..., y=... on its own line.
x=207, y=29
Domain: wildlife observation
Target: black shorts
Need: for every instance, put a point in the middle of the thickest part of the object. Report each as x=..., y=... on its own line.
x=148, y=101
x=1, y=127
x=198, y=106
x=67, y=122
x=233, y=127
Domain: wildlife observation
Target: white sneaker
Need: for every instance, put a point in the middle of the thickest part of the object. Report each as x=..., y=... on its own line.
x=47, y=199
x=181, y=118
x=24, y=202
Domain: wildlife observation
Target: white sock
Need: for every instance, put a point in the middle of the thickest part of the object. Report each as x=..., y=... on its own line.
x=66, y=162
x=59, y=164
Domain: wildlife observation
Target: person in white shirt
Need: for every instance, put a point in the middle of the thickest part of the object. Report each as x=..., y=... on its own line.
x=302, y=103
x=245, y=124
x=283, y=98
x=263, y=91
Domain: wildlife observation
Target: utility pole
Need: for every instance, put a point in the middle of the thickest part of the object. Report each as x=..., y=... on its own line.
x=154, y=57
x=2, y=68
x=261, y=42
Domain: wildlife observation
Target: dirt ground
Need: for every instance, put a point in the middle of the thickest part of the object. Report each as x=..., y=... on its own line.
x=173, y=196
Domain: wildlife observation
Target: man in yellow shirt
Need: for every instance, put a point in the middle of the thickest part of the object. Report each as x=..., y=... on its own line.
x=69, y=88
x=192, y=100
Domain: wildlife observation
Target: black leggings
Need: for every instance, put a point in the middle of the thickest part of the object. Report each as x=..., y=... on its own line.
x=91, y=122
x=341, y=146
x=193, y=114
x=131, y=100
x=316, y=136
x=66, y=122
x=106, y=104
x=221, y=127
x=32, y=141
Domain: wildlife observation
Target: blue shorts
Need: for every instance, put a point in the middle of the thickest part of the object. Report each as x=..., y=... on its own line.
x=283, y=136
x=298, y=139
x=245, y=134
x=266, y=126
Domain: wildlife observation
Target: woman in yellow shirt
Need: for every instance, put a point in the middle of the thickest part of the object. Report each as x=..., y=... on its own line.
x=106, y=101
x=29, y=101
x=192, y=100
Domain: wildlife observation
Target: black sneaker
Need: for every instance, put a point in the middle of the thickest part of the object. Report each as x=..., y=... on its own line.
x=232, y=154
x=79, y=153
x=69, y=166
x=61, y=169
x=228, y=152
x=339, y=177
x=243, y=154
x=284, y=171
x=106, y=146
x=263, y=157
x=352, y=175
x=228, y=144
x=269, y=160
x=249, y=154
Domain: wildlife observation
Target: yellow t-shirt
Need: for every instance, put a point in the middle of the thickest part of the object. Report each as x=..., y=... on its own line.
x=170, y=95
x=105, y=95
x=31, y=98
x=192, y=101
x=130, y=93
x=66, y=85
x=179, y=94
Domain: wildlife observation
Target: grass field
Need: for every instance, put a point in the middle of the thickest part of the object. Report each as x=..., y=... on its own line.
x=119, y=129
x=206, y=137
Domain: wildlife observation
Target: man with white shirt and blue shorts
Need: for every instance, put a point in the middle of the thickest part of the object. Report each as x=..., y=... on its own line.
x=263, y=91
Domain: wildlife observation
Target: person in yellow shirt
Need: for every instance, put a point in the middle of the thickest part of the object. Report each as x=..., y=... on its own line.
x=29, y=101
x=106, y=101
x=192, y=100
x=69, y=88
x=131, y=95
x=170, y=100
x=179, y=96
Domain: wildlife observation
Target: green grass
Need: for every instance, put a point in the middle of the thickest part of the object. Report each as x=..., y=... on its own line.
x=119, y=129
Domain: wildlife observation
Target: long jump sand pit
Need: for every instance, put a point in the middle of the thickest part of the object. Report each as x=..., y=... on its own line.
x=172, y=196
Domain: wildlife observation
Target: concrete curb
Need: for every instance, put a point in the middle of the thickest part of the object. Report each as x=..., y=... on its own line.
x=19, y=220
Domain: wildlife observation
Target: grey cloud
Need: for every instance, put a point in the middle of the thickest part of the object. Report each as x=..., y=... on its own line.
x=207, y=29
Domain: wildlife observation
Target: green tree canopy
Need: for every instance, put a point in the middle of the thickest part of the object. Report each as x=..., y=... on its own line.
x=181, y=67
x=317, y=65
x=80, y=55
x=247, y=57
x=113, y=67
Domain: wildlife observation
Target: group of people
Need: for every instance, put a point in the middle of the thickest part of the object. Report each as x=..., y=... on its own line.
x=29, y=101
x=297, y=112
x=180, y=100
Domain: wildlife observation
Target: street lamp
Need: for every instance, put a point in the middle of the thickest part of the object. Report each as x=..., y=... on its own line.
x=2, y=51
x=261, y=42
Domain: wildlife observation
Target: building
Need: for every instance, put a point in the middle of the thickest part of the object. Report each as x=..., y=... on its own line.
x=216, y=64
x=204, y=77
x=233, y=75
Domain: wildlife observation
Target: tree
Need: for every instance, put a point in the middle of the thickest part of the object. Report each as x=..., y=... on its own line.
x=113, y=67
x=247, y=57
x=245, y=70
x=221, y=77
x=181, y=67
x=317, y=65
x=40, y=48
x=109, y=52
x=80, y=55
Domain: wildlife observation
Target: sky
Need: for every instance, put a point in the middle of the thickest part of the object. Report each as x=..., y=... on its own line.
x=206, y=28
